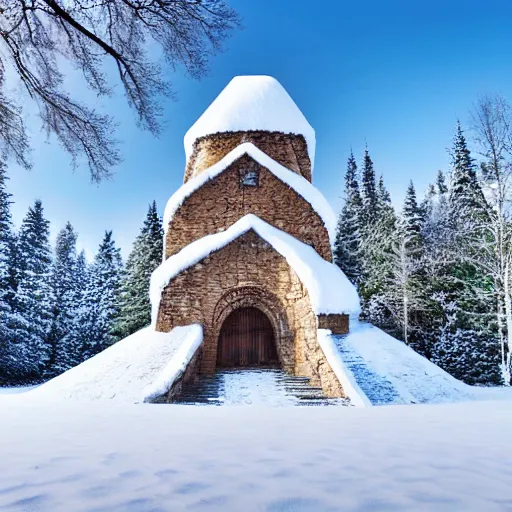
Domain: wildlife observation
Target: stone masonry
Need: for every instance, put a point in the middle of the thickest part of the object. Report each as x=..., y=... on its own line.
x=249, y=271
x=286, y=148
x=219, y=203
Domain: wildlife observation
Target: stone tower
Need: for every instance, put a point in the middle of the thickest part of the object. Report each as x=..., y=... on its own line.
x=248, y=239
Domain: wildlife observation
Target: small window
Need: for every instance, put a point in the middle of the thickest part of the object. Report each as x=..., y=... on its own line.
x=249, y=178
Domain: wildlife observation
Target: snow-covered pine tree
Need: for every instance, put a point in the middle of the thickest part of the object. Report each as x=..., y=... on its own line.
x=347, y=252
x=368, y=191
x=96, y=319
x=70, y=348
x=64, y=288
x=33, y=298
x=378, y=243
x=7, y=357
x=468, y=333
x=146, y=255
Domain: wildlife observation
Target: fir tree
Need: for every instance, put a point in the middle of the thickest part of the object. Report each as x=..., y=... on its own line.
x=379, y=242
x=347, y=246
x=33, y=300
x=64, y=288
x=146, y=255
x=412, y=223
x=96, y=319
x=368, y=190
x=7, y=357
x=70, y=348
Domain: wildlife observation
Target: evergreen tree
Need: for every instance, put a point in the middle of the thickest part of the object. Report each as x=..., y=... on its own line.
x=7, y=357
x=70, y=348
x=64, y=288
x=33, y=300
x=146, y=255
x=95, y=321
x=412, y=223
x=466, y=198
x=368, y=191
x=467, y=331
x=379, y=242
x=347, y=246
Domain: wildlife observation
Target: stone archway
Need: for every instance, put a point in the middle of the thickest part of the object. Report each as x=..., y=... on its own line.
x=247, y=339
x=270, y=306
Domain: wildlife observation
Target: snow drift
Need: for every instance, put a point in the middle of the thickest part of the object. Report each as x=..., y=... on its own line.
x=252, y=103
x=329, y=289
x=138, y=368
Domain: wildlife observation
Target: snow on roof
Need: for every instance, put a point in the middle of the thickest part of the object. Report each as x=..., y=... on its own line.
x=138, y=368
x=295, y=181
x=329, y=289
x=252, y=103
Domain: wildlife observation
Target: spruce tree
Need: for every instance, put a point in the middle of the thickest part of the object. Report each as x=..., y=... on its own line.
x=34, y=305
x=468, y=334
x=347, y=252
x=378, y=248
x=70, y=348
x=368, y=191
x=96, y=319
x=146, y=255
x=412, y=222
x=64, y=288
x=7, y=357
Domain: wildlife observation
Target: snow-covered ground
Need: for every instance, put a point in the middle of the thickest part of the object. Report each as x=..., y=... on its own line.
x=110, y=456
x=139, y=368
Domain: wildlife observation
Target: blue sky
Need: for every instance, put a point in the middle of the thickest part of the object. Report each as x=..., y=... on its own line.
x=395, y=75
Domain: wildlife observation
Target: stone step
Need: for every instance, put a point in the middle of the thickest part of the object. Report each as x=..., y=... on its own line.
x=276, y=385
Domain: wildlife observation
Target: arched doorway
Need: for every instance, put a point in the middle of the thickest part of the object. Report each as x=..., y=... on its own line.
x=247, y=339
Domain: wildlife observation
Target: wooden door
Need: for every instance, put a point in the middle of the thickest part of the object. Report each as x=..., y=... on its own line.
x=247, y=339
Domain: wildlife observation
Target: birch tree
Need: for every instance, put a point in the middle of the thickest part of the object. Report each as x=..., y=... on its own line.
x=492, y=126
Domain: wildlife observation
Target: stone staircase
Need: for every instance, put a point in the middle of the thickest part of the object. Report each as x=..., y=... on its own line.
x=255, y=386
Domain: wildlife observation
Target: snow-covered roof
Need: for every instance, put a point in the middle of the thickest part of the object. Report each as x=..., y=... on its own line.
x=252, y=103
x=329, y=289
x=295, y=181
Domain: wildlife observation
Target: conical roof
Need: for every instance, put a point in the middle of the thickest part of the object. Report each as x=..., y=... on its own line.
x=252, y=103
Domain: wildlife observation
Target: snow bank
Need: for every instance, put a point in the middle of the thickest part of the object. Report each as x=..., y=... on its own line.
x=329, y=289
x=390, y=372
x=345, y=376
x=65, y=457
x=252, y=103
x=299, y=184
x=136, y=369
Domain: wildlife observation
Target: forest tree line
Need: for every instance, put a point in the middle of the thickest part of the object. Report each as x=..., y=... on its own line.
x=56, y=309
x=437, y=274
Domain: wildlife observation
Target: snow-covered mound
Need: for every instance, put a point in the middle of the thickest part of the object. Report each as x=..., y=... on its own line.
x=139, y=368
x=301, y=185
x=329, y=289
x=252, y=103
x=389, y=372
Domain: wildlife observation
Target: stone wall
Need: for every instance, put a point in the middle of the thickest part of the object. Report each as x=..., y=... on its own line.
x=249, y=271
x=220, y=202
x=338, y=324
x=289, y=150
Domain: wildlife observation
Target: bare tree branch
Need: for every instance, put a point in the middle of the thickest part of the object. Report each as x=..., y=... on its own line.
x=36, y=34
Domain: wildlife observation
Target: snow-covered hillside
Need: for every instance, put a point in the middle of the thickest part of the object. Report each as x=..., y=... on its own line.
x=139, y=368
x=389, y=372
x=116, y=457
